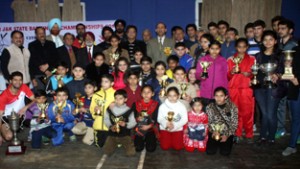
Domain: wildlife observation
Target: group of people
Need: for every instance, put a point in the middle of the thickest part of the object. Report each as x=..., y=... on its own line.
x=193, y=92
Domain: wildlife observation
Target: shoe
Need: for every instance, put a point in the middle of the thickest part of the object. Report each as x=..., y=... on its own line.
x=279, y=134
x=271, y=142
x=288, y=151
x=250, y=140
x=73, y=138
x=237, y=139
x=45, y=140
x=261, y=142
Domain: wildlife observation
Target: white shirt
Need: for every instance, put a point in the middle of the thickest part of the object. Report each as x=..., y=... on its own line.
x=90, y=48
x=161, y=39
x=58, y=42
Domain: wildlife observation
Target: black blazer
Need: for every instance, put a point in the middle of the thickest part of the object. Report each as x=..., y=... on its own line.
x=82, y=56
x=293, y=91
x=63, y=54
x=95, y=73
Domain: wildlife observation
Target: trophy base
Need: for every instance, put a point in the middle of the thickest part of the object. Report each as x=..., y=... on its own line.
x=287, y=76
x=270, y=84
x=16, y=150
x=204, y=75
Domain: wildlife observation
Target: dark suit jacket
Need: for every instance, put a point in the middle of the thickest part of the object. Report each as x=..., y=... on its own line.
x=64, y=55
x=82, y=57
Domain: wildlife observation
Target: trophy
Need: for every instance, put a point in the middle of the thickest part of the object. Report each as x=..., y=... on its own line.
x=141, y=79
x=100, y=104
x=268, y=69
x=78, y=102
x=237, y=61
x=217, y=128
x=163, y=85
x=59, y=111
x=44, y=79
x=116, y=120
x=205, y=65
x=59, y=79
x=254, y=69
x=16, y=146
x=288, y=69
x=113, y=58
x=183, y=87
x=43, y=108
x=170, y=117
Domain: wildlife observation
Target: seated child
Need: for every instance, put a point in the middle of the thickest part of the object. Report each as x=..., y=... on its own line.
x=120, y=120
x=172, y=116
x=61, y=116
x=105, y=96
x=40, y=125
x=195, y=131
x=145, y=112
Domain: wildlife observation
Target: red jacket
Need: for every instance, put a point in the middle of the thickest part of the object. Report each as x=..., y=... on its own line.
x=119, y=81
x=133, y=96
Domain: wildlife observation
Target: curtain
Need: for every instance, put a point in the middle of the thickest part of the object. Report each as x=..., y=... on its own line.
x=47, y=9
x=24, y=11
x=72, y=10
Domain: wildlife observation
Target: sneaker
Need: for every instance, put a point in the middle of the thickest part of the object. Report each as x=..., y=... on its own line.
x=73, y=138
x=271, y=142
x=288, y=151
x=45, y=140
x=250, y=140
x=237, y=139
x=261, y=142
x=279, y=134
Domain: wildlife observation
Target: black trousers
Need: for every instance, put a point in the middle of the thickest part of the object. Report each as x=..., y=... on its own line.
x=100, y=137
x=213, y=146
x=149, y=139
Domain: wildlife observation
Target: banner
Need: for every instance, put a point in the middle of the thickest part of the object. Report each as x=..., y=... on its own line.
x=28, y=29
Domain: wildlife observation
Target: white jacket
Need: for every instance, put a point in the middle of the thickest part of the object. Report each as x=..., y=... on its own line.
x=180, y=115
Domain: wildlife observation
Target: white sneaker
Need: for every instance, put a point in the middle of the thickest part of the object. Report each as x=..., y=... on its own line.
x=288, y=151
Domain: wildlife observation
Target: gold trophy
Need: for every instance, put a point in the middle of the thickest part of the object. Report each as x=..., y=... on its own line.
x=217, y=128
x=288, y=69
x=141, y=79
x=116, y=120
x=205, y=65
x=59, y=111
x=183, y=87
x=59, y=79
x=163, y=85
x=237, y=61
x=170, y=117
x=78, y=103
x=43, y=108
x=254, y=69
x=100, y=104
x=113, y=58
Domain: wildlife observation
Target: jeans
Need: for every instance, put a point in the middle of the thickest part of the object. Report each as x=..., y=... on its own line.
x=36, y=141
x=281, y=115
x=268, y=106
x=295, y=125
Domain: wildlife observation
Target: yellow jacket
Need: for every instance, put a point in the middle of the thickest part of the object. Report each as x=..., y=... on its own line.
x=169, y=73
x=108, y=97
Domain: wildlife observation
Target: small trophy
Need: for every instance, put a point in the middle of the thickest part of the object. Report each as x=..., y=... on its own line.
x=268, y=69
x=59, y=111
x=113, y=58
x=205, y=65
x=141, y=79
x=116, y=120
x=100, y=104
x=163, y=85
x=254, y=69
x=43, y=107
x=288, y=69
x=183, y=87
x=217, y=128
x=237, y=61
x=16, y=146
x=59, y=79
x=78, y=103
x=170, y=117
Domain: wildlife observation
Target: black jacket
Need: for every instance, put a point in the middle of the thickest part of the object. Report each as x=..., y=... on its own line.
x=95, y=73
x=132, y=47
x=82, y=56
x=293, y=91
x=64, y=55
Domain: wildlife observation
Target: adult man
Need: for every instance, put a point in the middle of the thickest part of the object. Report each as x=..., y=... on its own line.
x=120, y=26
x=214, y=31
x=228, y=47
x=191, y=31
x=161, y=47
x=106, y=34
x=67, y=53
x=146, y=36
x=132, y=44
x=16, y=57
x=275, y=22
x=85, y=55
x=43, y=60
x=54, y=26
x=179, y=35
x=13, y=98
x=223, y=26
x=78, y=42
x=249, y=31
x=255, y=44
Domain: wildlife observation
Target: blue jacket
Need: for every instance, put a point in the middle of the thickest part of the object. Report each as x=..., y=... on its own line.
x=227, y=51
x=66, y=114
x=186, y=61
x=156, y=86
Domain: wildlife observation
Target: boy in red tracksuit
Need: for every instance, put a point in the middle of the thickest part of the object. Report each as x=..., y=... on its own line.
x=239, y=88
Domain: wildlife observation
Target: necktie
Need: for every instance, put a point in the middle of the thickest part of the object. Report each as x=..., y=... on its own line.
x=72, y=56
x=160, y=43
x=89, y=55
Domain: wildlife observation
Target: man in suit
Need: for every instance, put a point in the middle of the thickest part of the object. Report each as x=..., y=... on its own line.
x=85, y=55
x=54, y=26
x=67, y=53
x=43, y=60
x=161, y=47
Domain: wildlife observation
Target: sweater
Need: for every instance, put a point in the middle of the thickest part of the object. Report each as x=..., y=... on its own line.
x=180, y=115
x=95, y=73
x=76, y=86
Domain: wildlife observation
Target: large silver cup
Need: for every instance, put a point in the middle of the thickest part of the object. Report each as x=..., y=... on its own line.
x=268, y=69
x=14, y=126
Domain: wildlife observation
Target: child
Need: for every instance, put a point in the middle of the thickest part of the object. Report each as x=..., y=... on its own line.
x=121, y=67
x=173, y=62
x=97, y=68
x=60, y=79
x=135, y=65
x=77, y=84
x=147, y=72
x=146, y=129
x=39, y=126
x=160, y=71
x=132, y=88
x=106, y=95
x=217, y=72
x=119, y=120
x=224, y=113
x=240, y=91
x=115, y=50
x=60, y=112
x=195, y=131
x=187, y=94
x=185, y=60
x=193, y=81
x=172, y=116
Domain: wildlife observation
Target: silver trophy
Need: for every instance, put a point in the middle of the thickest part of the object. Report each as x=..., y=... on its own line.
x=254, y=70
x=268, y=69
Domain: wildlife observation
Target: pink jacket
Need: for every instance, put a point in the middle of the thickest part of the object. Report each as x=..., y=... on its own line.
x=217, y=75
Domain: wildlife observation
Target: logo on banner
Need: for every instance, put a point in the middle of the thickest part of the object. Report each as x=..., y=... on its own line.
x=2, y=42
